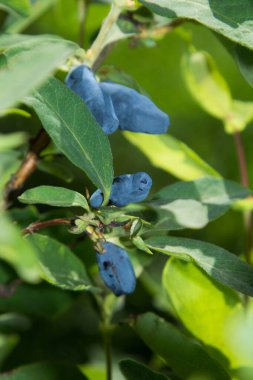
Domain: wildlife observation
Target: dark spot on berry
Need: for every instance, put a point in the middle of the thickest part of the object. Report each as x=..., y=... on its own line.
x=117, y=180
x=144, y=181
x=106, y=265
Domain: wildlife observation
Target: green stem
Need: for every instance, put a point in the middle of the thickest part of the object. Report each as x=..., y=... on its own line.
x=100, y=42
x=107, y=328
x=108, y=351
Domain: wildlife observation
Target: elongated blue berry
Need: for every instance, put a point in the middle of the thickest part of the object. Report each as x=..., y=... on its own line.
x=82, y=81
x=127, y=188
x=116, y=270
x=136, y=112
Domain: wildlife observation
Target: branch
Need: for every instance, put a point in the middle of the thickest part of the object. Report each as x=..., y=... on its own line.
x=36, y=226
x=241, y=159
x=28, y=165
x=245, y=182
x=160, y=30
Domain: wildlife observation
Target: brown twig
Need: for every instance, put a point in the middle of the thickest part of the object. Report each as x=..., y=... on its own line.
x=245, y=182
x=36, y=226
x=161, y=30
x=28, y=165
x=102, y=56
x=241, y=159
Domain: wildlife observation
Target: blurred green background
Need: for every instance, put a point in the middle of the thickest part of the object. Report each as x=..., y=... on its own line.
x=70, y=317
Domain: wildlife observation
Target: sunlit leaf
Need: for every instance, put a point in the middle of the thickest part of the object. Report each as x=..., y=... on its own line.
x=207, y=319
x=215, y=261
x=240, y=114
x=193, y=204
x=206, y=84
x=231, y=19
x=210, y=90
x=171, y=155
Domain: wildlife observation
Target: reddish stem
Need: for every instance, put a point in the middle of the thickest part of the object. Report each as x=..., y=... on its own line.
x=245, y=182
x=36, y=226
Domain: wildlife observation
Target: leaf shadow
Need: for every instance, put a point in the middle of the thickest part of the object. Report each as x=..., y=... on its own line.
x=231, y=14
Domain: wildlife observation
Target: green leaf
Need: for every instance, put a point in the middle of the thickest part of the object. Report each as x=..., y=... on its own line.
x=11, y=140
x=17, y=252
x=171, y=155
x=238, y=332
x=116, y=34
x=21, y=7
x=13, y=322
x=75, y=132
x=24, y=66
x=7, y=344
x=37, y=301
x=93, y=371
x=215, y=261
x=56, y=166
x=8, y=41
x=58, y=265
x=211, y=91
x=231, y=19
x=206, y=320
x=244, y=205
x=44, y=371
x=206, y=84
x=187, y=358
x=133, y=370
x=240, y=115
x=15, y=24
x=54, y=196
x=244, y=60
x=193, y=204
x=140, y=244
x=15, y=111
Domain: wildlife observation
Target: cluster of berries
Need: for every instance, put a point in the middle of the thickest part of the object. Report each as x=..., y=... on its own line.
x=115, y=106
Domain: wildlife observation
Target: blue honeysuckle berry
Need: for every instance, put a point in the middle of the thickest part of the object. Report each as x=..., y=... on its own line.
x=126, y=188
x=110, y=121
x=82, y=81
x=136, y=112
x=116, y=269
